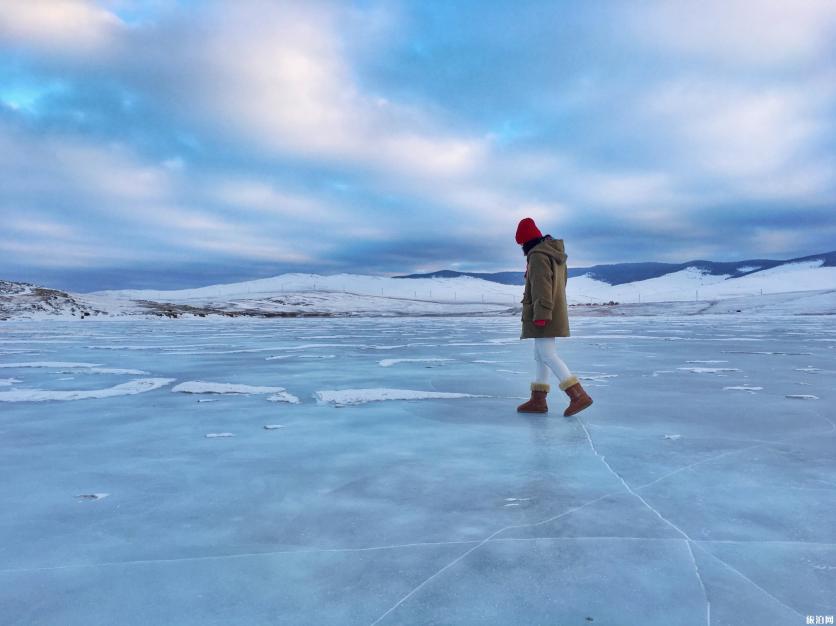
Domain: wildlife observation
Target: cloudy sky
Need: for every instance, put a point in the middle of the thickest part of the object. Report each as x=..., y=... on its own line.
x=166, y=143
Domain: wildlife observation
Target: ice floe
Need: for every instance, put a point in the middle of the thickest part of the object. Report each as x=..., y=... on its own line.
x=140, y=385
x=801, y=396
x=273, y=426
x=8, y=382
x=808, y=370
x=743, y=388
x=709, y=361
x=218, y=435
x=344, y=397
x=391, y=362
x=673, y=437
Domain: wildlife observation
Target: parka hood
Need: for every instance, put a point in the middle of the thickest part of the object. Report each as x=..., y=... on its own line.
x=551, y=247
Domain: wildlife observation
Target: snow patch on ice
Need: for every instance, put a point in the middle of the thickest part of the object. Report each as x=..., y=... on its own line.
x=743, y=388
x=708, y=370
x=105, y=370
x=709, y=361
x=218, y=435
x=344, y=397
x=673, y=437
x=595, y=377
x=199, y=386
x=8, y=382
x=283, y=396
x=140, y=385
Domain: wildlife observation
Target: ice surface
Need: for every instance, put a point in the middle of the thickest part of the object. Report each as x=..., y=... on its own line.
x=672, y=500
x=344, y=397
x=391, y=362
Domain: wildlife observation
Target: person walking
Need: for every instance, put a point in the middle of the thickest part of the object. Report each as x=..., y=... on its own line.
x=545, y=315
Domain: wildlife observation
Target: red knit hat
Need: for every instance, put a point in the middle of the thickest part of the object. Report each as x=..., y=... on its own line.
x=527, y=230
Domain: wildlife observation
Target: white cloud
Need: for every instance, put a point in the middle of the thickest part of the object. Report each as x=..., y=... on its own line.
x=74, y=27
x=761, y=140
x=762, y=32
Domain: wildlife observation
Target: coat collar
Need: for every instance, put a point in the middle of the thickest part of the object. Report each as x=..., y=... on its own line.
x=529, y=245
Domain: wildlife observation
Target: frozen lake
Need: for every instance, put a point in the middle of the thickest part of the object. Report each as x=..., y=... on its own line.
x=703, y=476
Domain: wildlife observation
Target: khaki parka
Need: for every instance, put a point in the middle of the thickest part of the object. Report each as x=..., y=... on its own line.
x=545, y=291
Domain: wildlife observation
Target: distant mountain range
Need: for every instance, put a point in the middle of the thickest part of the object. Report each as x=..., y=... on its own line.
x=623, y=273
x=804, y=285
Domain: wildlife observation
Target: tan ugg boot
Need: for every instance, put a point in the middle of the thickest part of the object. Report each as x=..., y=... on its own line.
x=537, y=403
x=578, y=398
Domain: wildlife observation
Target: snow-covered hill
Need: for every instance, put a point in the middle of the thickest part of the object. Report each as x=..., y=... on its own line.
x=353, y=294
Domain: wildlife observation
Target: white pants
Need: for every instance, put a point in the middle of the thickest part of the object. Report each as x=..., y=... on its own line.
x=546, y=357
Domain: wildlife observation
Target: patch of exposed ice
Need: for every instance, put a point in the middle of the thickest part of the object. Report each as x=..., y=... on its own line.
x=140, y=385
x=56, y=364
x=708, y=370
x=391, y=362
x=218, y=435
x=344, y=397
x=743, y=388
x=766, y=352
x=801, y=396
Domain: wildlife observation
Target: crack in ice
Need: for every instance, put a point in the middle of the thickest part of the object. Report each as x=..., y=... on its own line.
x=685, y=536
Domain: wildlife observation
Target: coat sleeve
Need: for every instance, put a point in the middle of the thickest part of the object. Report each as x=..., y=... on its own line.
x=542, y=279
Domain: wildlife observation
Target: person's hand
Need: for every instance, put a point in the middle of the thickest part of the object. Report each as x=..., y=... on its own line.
x=540, y=323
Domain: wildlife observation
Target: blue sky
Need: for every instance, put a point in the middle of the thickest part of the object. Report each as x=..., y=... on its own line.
x=171, y=144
